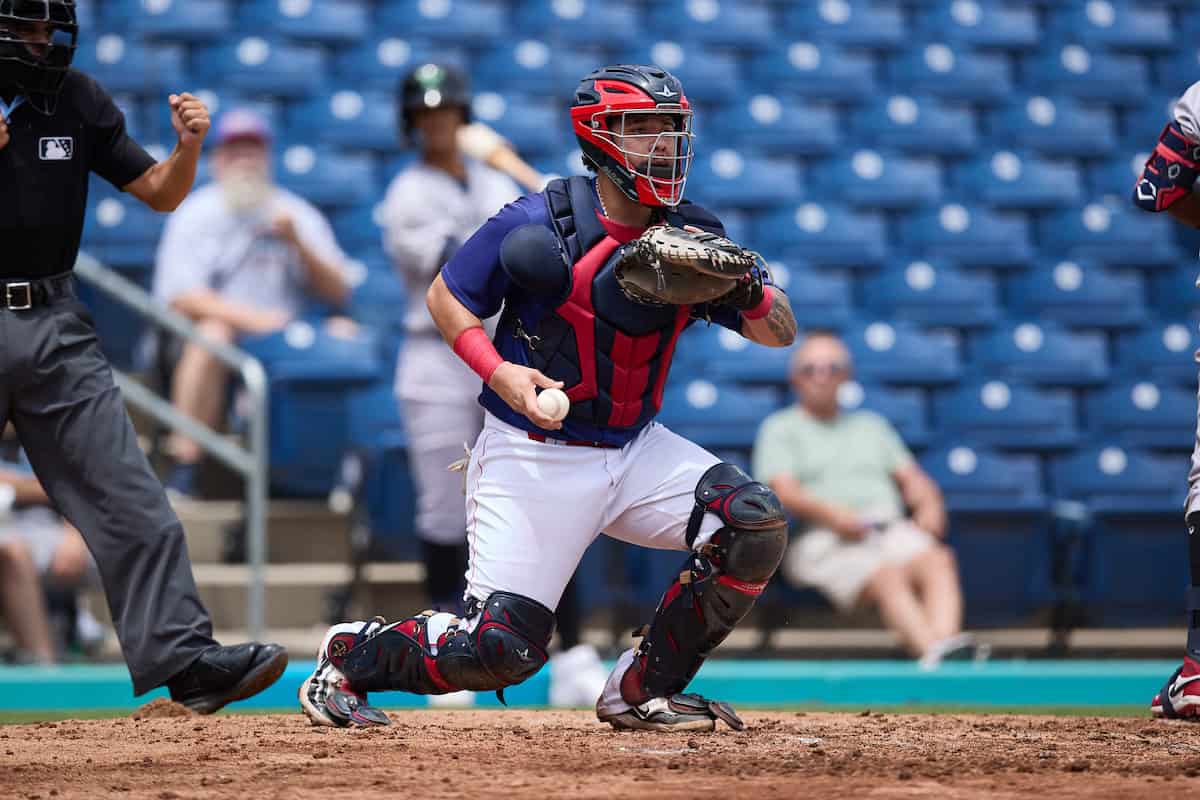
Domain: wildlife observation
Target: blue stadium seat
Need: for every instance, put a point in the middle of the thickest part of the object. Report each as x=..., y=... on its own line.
x=125, y=64
x=1054, y=126
x=931, y=293
x=534, y=66
x=715, y=352
x=717, y=416
x=877, y=180
x=1112, y=24
x=324, y=21
x=1078, y=294
x=774, y=124
x=119, y=230
x=1116, y=177
x=312, y=376
x=534, y=126
x=180, y=20
x=347, y=118
x=1112, y=233
x=1161, y=351
x=376, y=434
x=856, y=23
x=707, y=74
x=1000, y=530
x=995, y=413
x=1142, y=124
x=818, y=299
x=381, y=63
x=984, y=480
x=725, y=176
x=326, y=177
x=254, y=64
x=727, y=24
x=587, y=22
x=357, y=228
x=915, y=124
x=1042, y=354
x=458, y=22
x=1142, y=414
x=1173, y=290
x=1132, y=572
x=903, y=408
x=816, y=70
x=981, y=24
x=900, y=353
x=1004, y=179
x=1089, y=74
x=825, y=235
x=972, y=236
x=952, y=73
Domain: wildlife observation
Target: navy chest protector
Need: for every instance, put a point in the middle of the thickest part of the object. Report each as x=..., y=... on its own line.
x=612, y=353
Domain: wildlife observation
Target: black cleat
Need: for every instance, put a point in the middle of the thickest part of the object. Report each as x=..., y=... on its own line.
x=223, y=675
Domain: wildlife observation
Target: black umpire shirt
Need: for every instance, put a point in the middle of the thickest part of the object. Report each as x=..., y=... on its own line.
x=44, y=176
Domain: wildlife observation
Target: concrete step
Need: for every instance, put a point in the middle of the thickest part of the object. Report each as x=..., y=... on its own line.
x=298, y=594
x=298, y=531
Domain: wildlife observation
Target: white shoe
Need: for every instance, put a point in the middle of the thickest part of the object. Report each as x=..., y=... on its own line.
x=326, y=697
x=577, y=677
x=463, y=699
x=958, y=646
x=679, y=712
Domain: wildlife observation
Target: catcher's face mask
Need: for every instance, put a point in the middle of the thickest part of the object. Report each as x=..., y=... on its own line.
x=655, y=147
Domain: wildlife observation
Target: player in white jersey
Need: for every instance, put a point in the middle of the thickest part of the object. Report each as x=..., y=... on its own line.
x=1166, y=184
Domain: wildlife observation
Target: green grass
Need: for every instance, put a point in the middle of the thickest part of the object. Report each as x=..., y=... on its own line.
x=26, y=717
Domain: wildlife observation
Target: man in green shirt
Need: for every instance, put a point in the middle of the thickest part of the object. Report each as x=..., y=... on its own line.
x=848, y=479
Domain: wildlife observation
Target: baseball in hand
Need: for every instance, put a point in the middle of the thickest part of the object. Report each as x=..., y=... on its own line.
x=554, y=403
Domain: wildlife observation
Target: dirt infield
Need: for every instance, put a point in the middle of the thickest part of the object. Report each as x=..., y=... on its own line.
x=551, y=754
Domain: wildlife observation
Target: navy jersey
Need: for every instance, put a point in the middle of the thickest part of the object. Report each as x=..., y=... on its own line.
x=477, y=279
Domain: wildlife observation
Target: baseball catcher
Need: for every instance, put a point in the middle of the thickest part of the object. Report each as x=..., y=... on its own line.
x=595, y=278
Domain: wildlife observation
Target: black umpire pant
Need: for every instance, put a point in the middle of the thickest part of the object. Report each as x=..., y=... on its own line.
x=57, y=388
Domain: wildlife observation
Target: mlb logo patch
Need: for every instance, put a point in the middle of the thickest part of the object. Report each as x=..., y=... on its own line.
x=56, y=148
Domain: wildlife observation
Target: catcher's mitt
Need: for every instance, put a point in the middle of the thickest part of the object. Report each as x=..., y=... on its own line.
x=673, y=266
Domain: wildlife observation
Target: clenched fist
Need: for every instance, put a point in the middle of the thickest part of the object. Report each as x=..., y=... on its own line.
x=190, y=119
x=3, y=133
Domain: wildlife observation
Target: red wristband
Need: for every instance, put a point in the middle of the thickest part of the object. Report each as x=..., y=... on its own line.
x=764, y=306
x=475, y=348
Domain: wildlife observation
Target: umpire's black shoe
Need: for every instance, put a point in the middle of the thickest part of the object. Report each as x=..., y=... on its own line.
x=223, y=675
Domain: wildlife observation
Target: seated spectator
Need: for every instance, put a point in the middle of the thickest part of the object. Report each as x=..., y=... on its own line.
x=241, y=256
x=36, y=547
x=847, y=479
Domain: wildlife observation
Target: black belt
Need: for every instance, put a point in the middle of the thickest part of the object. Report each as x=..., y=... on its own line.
x=24, y=295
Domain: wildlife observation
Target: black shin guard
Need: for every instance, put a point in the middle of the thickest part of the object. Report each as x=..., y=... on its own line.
x=507, y=646
x=717, y=586
x=1193, y=592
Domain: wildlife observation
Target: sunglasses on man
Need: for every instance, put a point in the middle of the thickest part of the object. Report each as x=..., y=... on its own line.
x=827, y=368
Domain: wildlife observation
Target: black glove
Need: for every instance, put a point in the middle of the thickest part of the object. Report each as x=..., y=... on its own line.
x=747, y=294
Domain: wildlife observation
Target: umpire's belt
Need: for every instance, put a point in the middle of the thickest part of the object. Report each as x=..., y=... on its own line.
x=24, y=295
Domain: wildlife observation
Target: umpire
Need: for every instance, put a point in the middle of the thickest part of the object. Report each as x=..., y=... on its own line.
x=56, y=125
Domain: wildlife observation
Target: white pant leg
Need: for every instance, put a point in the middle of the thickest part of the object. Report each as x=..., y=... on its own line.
x=436, y=435
x=656, y=491
x=532, y=510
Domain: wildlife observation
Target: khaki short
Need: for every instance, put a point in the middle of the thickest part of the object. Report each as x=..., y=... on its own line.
x=39, y=528
x=840, y=569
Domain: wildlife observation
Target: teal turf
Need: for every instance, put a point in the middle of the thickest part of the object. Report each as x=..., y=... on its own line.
x=762, y=684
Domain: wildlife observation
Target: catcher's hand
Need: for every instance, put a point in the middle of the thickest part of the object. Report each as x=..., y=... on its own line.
x=684, y=266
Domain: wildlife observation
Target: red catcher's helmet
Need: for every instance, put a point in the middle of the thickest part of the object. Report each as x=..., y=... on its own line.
x=654, y=172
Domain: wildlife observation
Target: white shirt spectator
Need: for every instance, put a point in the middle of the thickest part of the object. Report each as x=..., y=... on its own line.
x=206, y=245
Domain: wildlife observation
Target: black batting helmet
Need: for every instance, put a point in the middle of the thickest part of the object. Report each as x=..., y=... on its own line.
x=31, y=64
x=432, y=85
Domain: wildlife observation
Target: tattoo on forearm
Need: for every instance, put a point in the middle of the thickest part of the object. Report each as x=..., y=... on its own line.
x=781, y=322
